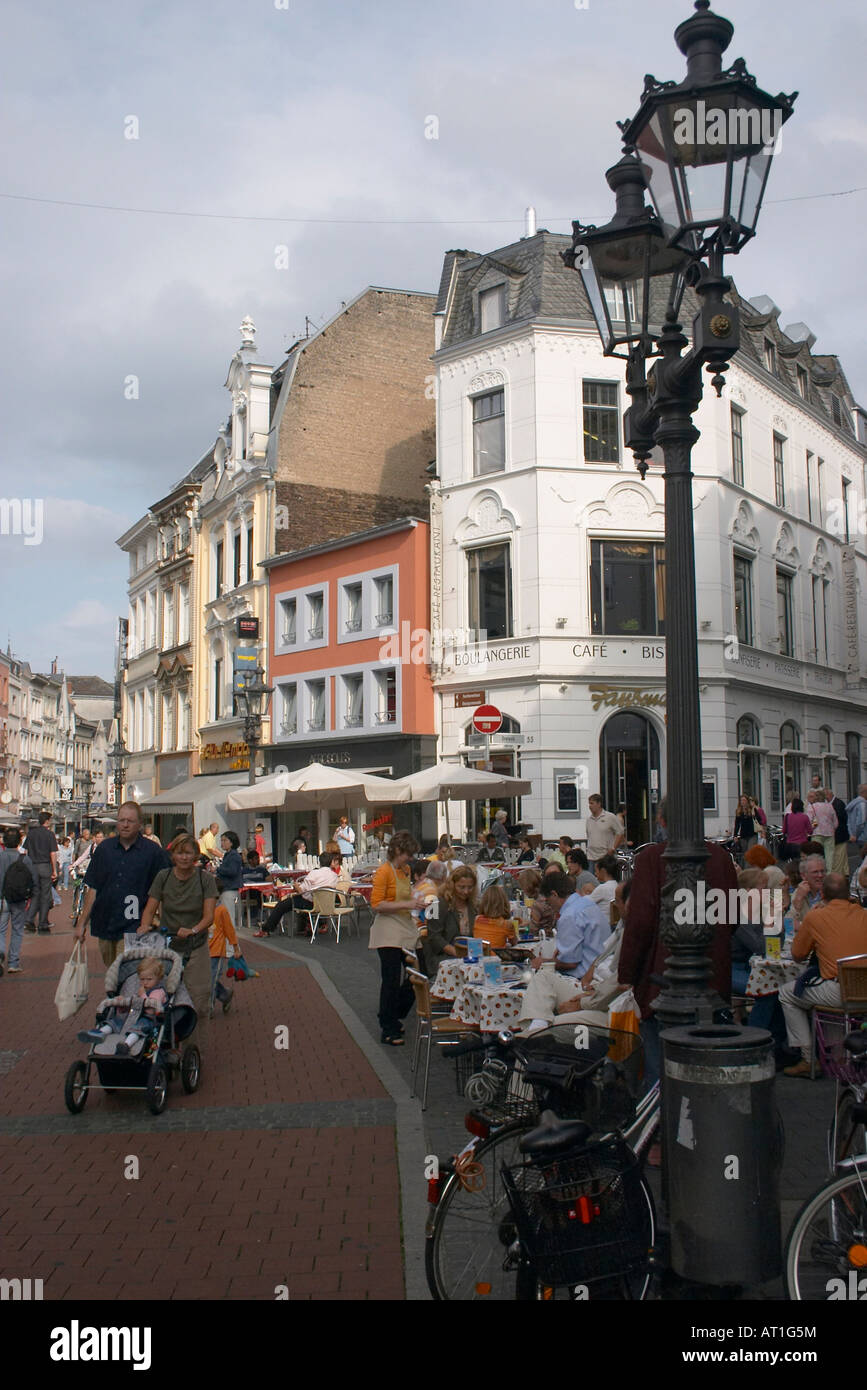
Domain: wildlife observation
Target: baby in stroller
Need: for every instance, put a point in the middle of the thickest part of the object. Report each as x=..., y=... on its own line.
x=134, y=1017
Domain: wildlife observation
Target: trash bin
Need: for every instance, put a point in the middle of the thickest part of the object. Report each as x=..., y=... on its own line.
x=722, y=1153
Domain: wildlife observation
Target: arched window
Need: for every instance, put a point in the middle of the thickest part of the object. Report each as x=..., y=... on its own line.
x=790, y=743
x=853, y=763
x=504, y=761
x=749, y=764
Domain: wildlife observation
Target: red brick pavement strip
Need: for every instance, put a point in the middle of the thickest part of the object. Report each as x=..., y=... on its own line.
x=243, y=1066
x=212, y=1215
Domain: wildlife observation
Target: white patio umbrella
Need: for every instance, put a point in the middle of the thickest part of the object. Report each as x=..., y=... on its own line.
x=448, y=782
x=316, y=787
x=455, y=782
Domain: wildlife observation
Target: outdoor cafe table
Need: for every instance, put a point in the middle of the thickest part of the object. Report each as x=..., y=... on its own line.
x=768, y=974
x=491, y=1007
x=248, y=889
x=456, y=972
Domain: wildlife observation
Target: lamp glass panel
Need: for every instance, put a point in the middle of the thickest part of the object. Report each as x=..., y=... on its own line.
x=757, y=168
x=596, y=296
x=653, y=145
x=705, y=190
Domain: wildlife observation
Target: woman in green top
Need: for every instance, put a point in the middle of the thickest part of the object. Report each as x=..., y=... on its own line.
x=187, y=896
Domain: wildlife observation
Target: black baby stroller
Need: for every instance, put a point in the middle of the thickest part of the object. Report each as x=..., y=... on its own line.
x=149, y=1063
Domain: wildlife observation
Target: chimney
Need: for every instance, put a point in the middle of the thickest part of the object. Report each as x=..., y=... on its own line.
x=529, y=222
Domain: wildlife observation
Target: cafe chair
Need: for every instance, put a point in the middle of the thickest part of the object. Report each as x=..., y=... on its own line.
x=428, y=1028
x=830, y=1026
x=325, y=906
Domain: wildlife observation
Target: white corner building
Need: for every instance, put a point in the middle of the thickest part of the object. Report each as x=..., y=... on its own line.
x=546, y=541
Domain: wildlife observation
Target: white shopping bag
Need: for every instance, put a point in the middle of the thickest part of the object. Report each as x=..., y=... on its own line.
x=73, y=990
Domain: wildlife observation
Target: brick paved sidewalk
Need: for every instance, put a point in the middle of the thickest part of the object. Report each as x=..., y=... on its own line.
x=281, y=1170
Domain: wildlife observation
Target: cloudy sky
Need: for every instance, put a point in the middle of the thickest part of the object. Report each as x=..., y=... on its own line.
x=302, y=123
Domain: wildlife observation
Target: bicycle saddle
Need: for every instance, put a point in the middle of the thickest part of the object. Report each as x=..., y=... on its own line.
x=554, y=1137
x=856, y=1043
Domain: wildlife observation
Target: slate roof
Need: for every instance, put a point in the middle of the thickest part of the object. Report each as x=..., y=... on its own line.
x=88, y=687
x=541, y=286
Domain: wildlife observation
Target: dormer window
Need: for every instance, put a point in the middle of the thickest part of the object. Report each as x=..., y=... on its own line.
x=770, y=356
x=492, y=308
x=803, y=383
x=836, y=412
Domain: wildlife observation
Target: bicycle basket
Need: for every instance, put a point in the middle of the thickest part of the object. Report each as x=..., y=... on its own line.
x=582, y=1218
x=585, y=1072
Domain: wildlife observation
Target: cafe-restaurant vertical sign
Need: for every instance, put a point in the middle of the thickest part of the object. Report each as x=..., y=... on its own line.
x=850, y=616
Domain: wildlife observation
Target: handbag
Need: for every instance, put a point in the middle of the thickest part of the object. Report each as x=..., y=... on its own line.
x=623, y=1018
x=73, y=989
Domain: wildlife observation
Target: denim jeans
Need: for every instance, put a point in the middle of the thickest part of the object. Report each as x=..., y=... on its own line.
x=218, y=989
x=12, y=914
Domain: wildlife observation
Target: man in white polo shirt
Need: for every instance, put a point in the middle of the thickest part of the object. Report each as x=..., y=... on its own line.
x=604, y=831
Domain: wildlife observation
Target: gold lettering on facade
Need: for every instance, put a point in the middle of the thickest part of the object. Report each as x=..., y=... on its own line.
x=612, y=696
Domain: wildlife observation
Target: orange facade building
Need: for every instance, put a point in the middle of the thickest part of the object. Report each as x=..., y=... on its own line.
x=349, y=666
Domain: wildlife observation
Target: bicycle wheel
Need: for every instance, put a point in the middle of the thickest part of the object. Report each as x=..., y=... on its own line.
x=472, y=1254
x=472, y=1232
x=846, y=1135
x=828, y=1241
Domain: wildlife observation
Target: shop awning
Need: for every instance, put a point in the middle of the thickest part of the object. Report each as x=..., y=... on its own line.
x=194, y=792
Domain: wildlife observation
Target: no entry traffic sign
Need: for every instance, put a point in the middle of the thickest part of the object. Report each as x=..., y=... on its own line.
x=487, y=719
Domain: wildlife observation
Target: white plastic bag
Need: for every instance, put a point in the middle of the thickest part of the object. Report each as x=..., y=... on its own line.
x=73, y=988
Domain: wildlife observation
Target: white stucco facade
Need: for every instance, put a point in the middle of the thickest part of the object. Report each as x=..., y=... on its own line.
x=571, y=661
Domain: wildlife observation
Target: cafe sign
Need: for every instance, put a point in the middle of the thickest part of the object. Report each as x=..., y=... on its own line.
x=615, y=697
x=237, y=755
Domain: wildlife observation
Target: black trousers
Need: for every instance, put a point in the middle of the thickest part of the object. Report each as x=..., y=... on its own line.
x=396, y=995
x=272, y=921
x=40, y=903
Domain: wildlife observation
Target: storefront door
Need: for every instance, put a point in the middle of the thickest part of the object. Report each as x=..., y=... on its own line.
x=629, y=759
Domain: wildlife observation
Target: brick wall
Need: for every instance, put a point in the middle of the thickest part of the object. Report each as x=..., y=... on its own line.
x=356, y=418
x=317, y=514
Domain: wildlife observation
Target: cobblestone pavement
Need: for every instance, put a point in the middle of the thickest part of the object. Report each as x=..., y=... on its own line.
x=806, y=1107
x=281, y=1170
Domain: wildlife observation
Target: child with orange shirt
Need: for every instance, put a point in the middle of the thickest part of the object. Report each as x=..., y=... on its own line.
x=493, y=923
x=221, y=931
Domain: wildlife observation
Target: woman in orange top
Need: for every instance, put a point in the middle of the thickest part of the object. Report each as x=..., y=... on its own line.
x=393, y=930
x=493, y=923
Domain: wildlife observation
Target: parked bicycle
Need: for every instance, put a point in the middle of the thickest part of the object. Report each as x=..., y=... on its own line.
x=548, y=1199
x=826, y=1253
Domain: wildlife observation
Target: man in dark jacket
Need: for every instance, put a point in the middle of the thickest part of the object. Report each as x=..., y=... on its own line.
x=643, y=952
x=121, y=872
x=13, y=909
x=41, y=848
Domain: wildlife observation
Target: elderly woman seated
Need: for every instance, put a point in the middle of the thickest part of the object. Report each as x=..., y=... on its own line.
x=760, y=909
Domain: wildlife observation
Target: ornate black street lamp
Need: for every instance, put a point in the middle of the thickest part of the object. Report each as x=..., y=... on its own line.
x=703, y=148
x=87, y=785
x=119, y=757
x=252, y=697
